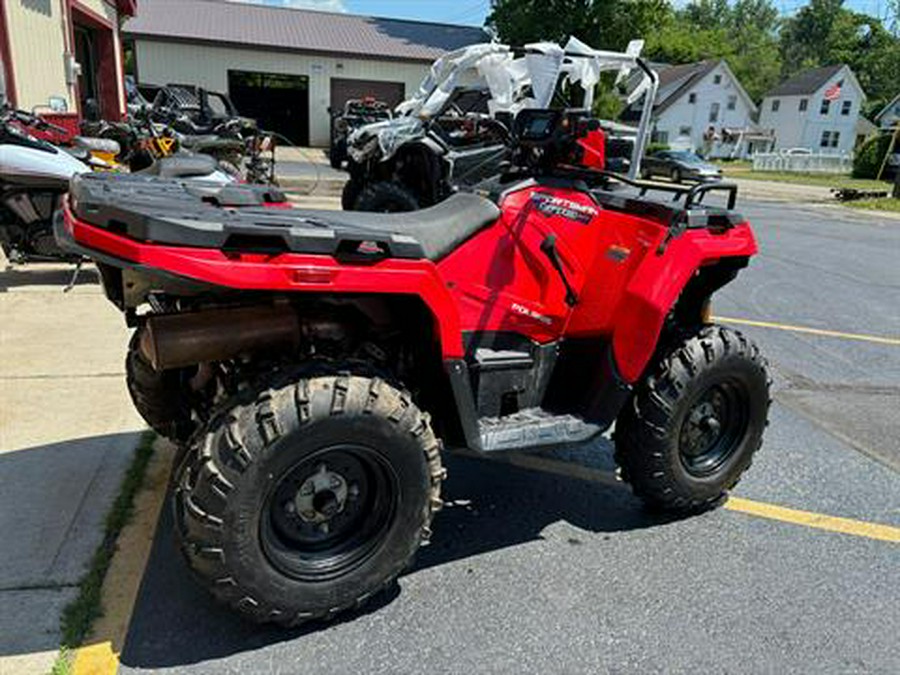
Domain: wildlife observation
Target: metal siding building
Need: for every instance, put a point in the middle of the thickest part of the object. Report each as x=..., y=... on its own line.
x=286, y=66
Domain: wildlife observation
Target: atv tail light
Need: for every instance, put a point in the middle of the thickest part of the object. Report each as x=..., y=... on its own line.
x=313, y=275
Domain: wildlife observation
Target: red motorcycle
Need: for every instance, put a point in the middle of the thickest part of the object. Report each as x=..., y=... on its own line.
x=316, y=364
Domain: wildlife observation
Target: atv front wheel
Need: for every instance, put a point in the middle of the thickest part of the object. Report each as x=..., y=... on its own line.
x=337, y=153
x=350, y=194
x=308, y=498
x=386, y=197
x=692, y=427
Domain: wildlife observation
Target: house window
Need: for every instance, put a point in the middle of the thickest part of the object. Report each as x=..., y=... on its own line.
x=732, y=102
x=714, y=112
x=845, y=107
x=692, y=98
x=825, y=107
x=830, y=139
x=661, y=137
x=717, y=79
x=776, y=104
x=804, y=104
x=684, y=131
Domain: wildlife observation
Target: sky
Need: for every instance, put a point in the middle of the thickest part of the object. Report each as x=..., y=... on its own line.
x=473, y=12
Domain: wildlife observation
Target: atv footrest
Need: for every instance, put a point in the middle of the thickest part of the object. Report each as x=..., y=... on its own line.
x=533, y=427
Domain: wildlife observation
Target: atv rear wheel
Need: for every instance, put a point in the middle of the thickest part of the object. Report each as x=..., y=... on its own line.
x=308, y=498
x=692, y=427
x=386, y=197
x=160, y=397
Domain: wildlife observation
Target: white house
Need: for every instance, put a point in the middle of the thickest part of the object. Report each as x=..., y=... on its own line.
x=817, y=109
x=889, y=117
x=702, y=106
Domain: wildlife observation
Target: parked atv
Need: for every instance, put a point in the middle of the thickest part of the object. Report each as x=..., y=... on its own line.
x=317, y=364
x=355, y=114
x=454, y=151
x=453, y=133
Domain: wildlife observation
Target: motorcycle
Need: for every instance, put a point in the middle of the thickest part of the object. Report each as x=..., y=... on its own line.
x=35, y=174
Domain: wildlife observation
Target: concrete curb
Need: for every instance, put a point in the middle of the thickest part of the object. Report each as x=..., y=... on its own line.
x=100, y=653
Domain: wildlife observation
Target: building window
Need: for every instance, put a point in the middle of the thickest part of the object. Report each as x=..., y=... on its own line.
x=776, y=104
x=684, y=131
x=825, y=107
x=714, y=112
x=661, y=137
x=845, y=107
x=717, y=79
x=804, y=103
x=732, y=102
x=692, y=98
x=830, y=139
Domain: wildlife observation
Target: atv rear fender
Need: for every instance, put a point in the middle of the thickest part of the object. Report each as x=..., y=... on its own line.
x=289, y=272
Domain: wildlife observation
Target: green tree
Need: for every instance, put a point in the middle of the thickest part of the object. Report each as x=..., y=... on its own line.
x=607, y=24
x=743, y=32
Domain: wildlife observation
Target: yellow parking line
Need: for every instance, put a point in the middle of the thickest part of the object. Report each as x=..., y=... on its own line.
x=859, y=528
x=100, y=654
x=877, y=339
x=819, y=521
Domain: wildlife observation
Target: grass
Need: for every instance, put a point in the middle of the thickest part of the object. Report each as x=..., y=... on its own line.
x=744, y=170
x=63, y=663
x=79, y=615
x=884, y=204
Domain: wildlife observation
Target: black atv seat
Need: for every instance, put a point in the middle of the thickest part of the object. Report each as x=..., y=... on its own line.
x=181, y=166
x=234, y=217
x=439, y=229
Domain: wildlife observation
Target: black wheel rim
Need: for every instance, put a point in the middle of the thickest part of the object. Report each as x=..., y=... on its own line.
x=714, y=427
x=329, y=513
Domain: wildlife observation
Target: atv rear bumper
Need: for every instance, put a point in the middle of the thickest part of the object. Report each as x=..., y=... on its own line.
x=277, y=273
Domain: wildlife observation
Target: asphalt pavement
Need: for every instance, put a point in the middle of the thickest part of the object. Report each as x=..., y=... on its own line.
x=531, y=571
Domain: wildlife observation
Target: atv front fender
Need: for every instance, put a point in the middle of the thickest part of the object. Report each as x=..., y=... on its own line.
x=656, y=284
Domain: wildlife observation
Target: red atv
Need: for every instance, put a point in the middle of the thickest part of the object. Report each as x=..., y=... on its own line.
x=314, y=364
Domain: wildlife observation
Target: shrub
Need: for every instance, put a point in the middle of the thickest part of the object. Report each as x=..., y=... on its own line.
x=870, y=156
x=655, y=147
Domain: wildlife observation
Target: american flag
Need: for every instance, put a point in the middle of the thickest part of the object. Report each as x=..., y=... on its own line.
x=833, y=93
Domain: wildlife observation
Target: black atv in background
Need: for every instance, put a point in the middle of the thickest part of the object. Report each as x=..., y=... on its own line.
x=409, y=163
x=356, y=113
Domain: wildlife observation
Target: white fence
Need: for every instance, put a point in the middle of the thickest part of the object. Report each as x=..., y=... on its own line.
x=802, y=162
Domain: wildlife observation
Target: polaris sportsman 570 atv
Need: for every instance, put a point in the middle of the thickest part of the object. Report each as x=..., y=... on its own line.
x=316, y=364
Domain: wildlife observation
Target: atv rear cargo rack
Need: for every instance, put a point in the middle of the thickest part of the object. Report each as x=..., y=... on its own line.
x=257, y=219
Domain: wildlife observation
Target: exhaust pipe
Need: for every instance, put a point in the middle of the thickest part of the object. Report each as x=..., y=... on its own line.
x=180, y=340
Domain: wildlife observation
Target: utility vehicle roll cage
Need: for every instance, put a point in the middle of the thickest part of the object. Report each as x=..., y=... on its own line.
x=519, y=78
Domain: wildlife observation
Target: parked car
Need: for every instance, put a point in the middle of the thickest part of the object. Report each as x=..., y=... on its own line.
x=356, y=112
x=679, y=165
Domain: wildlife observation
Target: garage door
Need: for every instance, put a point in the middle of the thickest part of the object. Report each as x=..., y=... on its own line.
x=277, y=102
x=343, y=90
